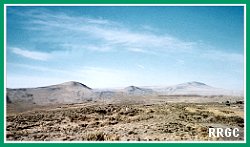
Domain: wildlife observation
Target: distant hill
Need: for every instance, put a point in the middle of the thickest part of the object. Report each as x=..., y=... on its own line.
x=75, y=92
x=69, y=92
x=195, y=88
x=133, y=90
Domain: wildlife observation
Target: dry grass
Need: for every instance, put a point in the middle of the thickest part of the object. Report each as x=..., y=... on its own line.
x=130, y=122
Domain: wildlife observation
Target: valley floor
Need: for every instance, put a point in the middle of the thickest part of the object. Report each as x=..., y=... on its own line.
x=124, y=122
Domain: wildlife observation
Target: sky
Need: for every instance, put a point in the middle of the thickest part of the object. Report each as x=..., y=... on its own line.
x=111, y=46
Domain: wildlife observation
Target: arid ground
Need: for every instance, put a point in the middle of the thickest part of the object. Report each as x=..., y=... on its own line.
x=96, y=121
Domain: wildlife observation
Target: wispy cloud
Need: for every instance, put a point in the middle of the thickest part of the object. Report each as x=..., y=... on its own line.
x=103, y=52
x=92, y=47
x=35, y=55
x=140, y=50
x=104, y=31
x=83, y=33
x=140, y=66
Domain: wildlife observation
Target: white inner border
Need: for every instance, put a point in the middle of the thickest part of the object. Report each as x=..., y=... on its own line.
x=5, y=76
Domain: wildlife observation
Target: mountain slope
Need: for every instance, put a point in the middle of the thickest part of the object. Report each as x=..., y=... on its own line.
x=133, y=90
x=195, y=88
x=69, y=92
x=75, y=92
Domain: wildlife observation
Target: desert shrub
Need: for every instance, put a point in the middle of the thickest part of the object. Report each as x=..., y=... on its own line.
x=226, y=111
x=99, y=136
x=230, y=119
x=236, y=119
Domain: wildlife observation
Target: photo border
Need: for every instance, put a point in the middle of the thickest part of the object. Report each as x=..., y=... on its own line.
x=3, y=63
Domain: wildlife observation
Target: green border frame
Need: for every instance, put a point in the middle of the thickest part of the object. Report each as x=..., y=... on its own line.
x=2, y=2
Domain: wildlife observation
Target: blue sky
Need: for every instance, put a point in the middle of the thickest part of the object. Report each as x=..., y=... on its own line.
x=106, y=47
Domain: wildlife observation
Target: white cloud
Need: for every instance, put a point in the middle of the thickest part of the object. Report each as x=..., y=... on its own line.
x=83, y=33
x=35, y=55
x=107, y=32
x=98, y=21
x=139, y=50
x=71, y=36
x=130, y=39
x=140, y=66
x=81, y=47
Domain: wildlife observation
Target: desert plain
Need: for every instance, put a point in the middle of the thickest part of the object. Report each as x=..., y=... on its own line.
x=116, y=117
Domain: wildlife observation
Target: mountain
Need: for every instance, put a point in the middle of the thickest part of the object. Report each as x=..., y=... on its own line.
x=75, y=92
x=105, y=94
x=133, y=90
x=69, y=92
x=195, y=88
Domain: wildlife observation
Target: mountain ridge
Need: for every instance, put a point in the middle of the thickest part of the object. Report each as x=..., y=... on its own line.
x=76, y=92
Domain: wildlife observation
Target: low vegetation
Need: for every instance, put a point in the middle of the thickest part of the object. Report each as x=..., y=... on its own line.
x=124, y=122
